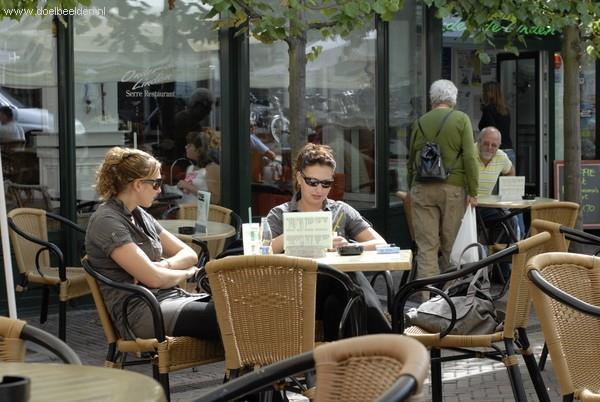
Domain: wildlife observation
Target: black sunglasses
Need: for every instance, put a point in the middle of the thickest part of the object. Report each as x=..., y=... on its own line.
x=156, y=183
x=311, y=181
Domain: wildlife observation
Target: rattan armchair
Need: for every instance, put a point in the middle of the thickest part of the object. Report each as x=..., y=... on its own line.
x=166, y=353
x=388, y=368
x=14, y=333
x=499, y=345
x=29, y=238
x=566, y=296
x=266, y=307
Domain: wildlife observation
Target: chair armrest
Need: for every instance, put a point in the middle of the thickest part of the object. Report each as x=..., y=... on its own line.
x=66, y=221
x=50, y=342
x=259, y=379
x=580, y=236
x=558, y=294
x=204, y=254
x=169, y=211
x=139, y=291
x=51, y=247
x=402, y=389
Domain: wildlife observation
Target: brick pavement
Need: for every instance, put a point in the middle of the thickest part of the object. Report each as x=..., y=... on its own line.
x=465, y=380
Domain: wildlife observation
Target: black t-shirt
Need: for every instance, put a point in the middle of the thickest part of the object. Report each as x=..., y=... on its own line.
x=491, y=117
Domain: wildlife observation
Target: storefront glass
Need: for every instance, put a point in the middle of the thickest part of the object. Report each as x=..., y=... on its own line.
x=145, y=77
x=28, y=87
x=587, y=111
x=407, y=87
x=340, y=103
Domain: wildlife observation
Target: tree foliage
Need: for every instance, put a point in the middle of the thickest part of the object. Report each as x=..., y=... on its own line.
x=554, y=14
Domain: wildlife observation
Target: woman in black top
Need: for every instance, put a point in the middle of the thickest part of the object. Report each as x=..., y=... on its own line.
x=495, y=113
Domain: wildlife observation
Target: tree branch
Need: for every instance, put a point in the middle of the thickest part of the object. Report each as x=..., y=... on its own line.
x=250, y=12
x=319, y=25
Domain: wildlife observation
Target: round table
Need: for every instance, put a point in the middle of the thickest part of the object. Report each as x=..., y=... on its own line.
x=69, y=382
x=215, y=230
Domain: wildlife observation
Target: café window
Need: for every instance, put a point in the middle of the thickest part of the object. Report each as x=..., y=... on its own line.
x=340, y=103
x=147, y=77
x=406, y=88
x=28, y=98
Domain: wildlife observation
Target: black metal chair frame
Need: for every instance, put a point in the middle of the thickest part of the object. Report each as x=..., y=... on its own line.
x=51, y=343
x=432, y=285
x=147, y=297
x=62, y=269
x=263, y=379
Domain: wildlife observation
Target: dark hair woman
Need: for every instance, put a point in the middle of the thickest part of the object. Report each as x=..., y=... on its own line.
x=495, y=113
x=313, y=177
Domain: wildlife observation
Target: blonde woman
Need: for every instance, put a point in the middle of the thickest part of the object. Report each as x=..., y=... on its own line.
x=126, y=244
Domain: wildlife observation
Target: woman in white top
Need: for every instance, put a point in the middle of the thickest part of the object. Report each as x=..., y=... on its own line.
x=203, y=174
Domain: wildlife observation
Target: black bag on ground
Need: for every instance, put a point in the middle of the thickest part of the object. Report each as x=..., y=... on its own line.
x=475, y=310
x=430, y=166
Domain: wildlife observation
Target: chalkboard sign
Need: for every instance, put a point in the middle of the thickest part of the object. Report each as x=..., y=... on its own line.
x=590, y=190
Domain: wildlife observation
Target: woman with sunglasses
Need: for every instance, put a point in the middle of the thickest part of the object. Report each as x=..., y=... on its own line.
x=126, y=244
x=313, y=178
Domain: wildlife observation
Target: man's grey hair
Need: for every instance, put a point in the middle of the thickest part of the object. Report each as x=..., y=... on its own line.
x=443, y=91
x=489, y=130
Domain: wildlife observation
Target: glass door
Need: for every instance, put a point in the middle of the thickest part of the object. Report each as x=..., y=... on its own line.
x=519, y=79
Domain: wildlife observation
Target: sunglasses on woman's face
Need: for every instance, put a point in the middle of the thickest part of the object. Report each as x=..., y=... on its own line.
x=311, y=181
x=156, y=183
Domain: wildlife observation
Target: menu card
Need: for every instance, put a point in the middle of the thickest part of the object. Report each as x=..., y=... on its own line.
x=511, y=188
x=202, y=207
x=307, y=234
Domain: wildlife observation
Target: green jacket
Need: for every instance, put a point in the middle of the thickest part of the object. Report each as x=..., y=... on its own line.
x=456, y=134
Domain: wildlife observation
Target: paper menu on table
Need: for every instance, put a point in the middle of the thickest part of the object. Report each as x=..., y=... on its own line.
x=511, y=188
x=307, y=233
x=202, y=207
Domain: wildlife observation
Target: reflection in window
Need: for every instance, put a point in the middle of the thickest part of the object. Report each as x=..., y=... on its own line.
x=28, y=90
x=407, y=84
x=146, y=77
x=340, y=100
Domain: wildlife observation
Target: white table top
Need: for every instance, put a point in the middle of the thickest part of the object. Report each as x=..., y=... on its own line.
x=215, y=230
x=494, y=201
x=369, y=261
x=68, y=382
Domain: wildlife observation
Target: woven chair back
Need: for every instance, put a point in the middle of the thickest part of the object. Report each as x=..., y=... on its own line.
x=12, y=348
x=265, y=307
x=562, y=212
x=362, y=368
x=518, y=305
x=573, y=338
x=558, y=242
x=216, y=213
x=107, y=325
x=33, y=222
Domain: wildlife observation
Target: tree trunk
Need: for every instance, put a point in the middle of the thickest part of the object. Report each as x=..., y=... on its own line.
x=571, y=53
x=297, y=92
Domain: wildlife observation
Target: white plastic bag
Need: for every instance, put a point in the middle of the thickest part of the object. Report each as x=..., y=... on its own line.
x=467, y=234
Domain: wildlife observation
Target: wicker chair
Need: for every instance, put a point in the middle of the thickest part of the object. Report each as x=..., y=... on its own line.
x=515, y=323
x=386, y=368
x=14, y=333
x=566, y=296
x=561, y=238
x=29, y=238
x=216, y=213
x=166, y=353
x=266, y=307
x=562, y=212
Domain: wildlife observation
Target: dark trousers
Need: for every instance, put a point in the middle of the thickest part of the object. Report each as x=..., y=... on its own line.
x=332, y=299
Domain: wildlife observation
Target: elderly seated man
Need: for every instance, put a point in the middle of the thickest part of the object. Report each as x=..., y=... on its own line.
x=493, y=162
